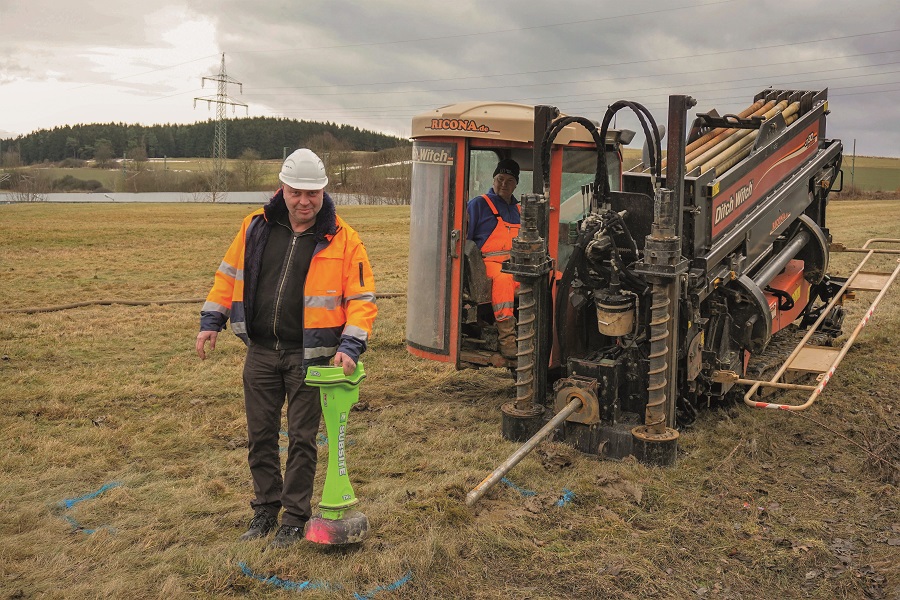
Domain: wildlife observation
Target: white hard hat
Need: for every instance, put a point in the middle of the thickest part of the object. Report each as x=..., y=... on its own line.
x=303, y=170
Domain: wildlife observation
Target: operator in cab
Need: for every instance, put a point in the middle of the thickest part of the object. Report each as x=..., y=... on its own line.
x=494, y=219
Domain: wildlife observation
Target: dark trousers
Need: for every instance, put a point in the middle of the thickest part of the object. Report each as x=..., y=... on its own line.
x=270, y=377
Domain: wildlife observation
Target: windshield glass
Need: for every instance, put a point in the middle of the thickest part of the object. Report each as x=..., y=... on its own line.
x=579, y=169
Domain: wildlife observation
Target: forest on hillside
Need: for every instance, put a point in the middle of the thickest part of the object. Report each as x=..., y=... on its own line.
x=267, y=136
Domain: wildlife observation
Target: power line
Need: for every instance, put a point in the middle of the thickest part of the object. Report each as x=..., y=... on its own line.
x=109, y=81
x=487, y=33
x=603, y=65
x=648, y=76
x=600, y=101
x=762, y=82
x=482, y=88
x=571, y=81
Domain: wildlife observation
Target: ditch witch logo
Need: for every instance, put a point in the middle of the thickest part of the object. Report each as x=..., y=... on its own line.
x=432, y=156
x=733, y=202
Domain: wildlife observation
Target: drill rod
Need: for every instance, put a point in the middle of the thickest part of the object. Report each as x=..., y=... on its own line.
x=519, y=454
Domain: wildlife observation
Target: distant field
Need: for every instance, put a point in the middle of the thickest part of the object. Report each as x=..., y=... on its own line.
x=168, y=172
x=872, y=174
x=871, y=162
x=865, y=173
x=108, y=178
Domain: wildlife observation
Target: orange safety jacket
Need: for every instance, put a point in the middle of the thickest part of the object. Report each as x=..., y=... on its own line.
x=497, y=246
x=495, y=250
x=339, y=292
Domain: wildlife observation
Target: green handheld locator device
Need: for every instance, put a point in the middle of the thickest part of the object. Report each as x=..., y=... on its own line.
x=338, y=393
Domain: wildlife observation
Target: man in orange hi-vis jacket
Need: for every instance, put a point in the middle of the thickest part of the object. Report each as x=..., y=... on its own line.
x=298, y=289
x=494, y=220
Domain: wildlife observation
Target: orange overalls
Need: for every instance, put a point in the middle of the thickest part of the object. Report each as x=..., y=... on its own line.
x=494, y=251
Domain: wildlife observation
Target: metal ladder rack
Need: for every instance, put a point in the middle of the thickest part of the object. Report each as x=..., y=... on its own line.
x=824, y=360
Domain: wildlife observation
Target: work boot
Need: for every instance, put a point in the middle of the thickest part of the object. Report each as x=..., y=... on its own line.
x=286, y=535
x=260, y=525
x=506, y=331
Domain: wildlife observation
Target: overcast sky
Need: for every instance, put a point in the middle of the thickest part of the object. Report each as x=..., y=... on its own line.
x=375, y=63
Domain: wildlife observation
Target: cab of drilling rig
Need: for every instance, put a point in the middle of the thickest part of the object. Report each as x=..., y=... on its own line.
x=455, y=151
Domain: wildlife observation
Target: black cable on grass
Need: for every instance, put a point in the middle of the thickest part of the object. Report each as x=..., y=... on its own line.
x=101, y=303
x=140, y=303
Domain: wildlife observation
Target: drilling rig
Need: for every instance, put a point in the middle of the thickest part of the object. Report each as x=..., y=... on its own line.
x=645, y=294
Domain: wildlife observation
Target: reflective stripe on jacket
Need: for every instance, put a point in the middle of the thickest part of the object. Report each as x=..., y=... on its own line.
x=339, y=293
x=496, y=248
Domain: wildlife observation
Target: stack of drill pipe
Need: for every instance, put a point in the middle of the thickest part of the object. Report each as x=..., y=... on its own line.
x=752, y=110
x=704, y=149
x=703, y=160
x=745, y=138
x=744, y=145
x=790, y=117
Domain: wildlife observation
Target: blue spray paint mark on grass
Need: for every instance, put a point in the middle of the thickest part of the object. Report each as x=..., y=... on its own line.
x=522, y=491
x=76, y=526
x=70, y=502
x=384, y=588
x=568, y=496
x=299, y=586
x=285, y=584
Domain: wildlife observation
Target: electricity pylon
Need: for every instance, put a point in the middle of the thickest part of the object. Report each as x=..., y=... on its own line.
x=220, y=143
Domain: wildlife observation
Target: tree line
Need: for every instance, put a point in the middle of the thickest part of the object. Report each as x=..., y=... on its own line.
x=267, y=136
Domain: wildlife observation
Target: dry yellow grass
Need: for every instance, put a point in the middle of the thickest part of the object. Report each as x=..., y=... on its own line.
x=760, y=504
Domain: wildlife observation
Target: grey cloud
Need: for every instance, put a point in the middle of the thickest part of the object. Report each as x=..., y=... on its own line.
x=375, y=64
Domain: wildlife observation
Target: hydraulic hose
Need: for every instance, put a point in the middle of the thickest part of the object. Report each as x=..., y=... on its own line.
x=651, y=132
x=599, y=142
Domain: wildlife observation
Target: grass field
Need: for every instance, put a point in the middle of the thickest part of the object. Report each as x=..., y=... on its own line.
x=108, y=407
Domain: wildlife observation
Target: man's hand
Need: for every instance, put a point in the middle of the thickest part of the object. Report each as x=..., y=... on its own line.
x=201, y=342
x=341, y=359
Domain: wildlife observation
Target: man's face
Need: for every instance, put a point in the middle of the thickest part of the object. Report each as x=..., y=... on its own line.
x=303, y=206
x=504, y=185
